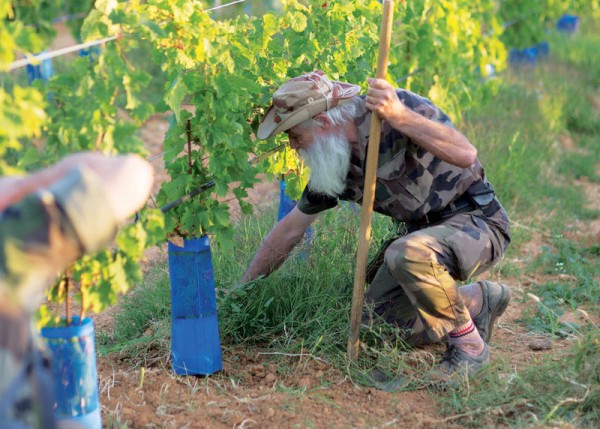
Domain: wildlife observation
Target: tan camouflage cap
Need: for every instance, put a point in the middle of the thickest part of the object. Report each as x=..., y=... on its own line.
x=300, y=99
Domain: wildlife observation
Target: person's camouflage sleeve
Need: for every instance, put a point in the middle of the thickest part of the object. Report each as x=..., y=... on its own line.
x=47, y=230
x=39, y=236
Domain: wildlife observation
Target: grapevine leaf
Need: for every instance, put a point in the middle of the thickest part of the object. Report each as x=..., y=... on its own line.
x=298, y=21
x=175, y=96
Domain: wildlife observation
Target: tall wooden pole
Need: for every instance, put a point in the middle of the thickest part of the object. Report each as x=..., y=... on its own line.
x=358, y=294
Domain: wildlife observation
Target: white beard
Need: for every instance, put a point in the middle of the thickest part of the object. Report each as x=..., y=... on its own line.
x=329, y=161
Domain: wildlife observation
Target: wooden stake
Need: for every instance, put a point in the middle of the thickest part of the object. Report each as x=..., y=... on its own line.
x=358, y=294
x=67, y=300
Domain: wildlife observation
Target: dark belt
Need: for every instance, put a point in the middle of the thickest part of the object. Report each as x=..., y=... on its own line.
x=464, y=203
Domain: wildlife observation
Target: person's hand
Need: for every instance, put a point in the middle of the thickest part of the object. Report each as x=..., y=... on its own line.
x=383, y=100
x=126, y=180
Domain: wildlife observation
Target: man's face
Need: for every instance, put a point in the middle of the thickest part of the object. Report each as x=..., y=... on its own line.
x=327, y=154
x=301, y=138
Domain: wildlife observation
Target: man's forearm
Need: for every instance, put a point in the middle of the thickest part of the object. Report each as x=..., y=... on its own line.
x=268, y=258
x=443, y=141
x=275, y=249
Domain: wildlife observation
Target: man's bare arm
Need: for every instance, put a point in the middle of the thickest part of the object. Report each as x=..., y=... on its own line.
x=275, y=249
x=444, y=142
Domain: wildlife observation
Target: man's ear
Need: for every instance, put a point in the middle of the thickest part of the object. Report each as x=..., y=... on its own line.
x=324, y=120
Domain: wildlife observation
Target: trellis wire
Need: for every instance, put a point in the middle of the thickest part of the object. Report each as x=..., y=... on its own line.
x=152, y=158
x=225, y=5
x=59, y=52
x=63, y=51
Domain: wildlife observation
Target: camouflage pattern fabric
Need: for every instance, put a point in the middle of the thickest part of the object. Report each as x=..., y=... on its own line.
x=39, y=236
x=15, y=349
x=415, y=289
x=300, y=99
x=45, y=231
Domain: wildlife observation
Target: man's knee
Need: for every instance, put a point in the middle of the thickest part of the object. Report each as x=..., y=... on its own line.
x=409, y=255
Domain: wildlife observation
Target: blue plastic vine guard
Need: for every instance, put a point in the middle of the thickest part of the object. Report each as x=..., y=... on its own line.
x=525, y=56
x=72, y=353
x=92, y=52
x=195, y=342
x=543, y=49
x=41, y=71
x=286, y=204
x=568, y=23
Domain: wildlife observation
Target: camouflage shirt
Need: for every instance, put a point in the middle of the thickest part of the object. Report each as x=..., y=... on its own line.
x=40, y=235
x=411, y=181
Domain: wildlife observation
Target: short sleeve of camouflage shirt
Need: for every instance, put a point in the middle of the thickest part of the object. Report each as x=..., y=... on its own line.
x=423, y=106
x=312, y=203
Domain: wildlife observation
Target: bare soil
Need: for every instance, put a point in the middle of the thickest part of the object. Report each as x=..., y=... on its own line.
x=253, y=392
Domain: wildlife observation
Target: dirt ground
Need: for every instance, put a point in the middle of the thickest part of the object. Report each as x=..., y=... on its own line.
x=252, y=392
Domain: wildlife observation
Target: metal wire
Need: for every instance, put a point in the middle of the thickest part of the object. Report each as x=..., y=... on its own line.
x=59, y=52
x=63, y=51
x=225, y=5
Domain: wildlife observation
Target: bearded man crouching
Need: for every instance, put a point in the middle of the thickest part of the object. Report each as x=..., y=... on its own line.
x=428, y=177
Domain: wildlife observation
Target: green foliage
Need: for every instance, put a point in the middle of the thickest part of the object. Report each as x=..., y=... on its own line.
x=142, y=329
x=101, y=278
x=577, y=272
x=579, y=165
x=527, y=22
x=21, y=109
x=21, y=116
x=587, y=367
x=220, y=74
x=93, y=105
x=218, y=77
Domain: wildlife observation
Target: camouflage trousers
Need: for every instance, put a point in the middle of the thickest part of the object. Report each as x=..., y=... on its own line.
x=416, y=287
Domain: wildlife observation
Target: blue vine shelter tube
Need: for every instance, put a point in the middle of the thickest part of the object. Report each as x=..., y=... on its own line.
x=72, y=353
x=286, y=204
x=195, y=341
x=42, y=71
x=568, y=23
